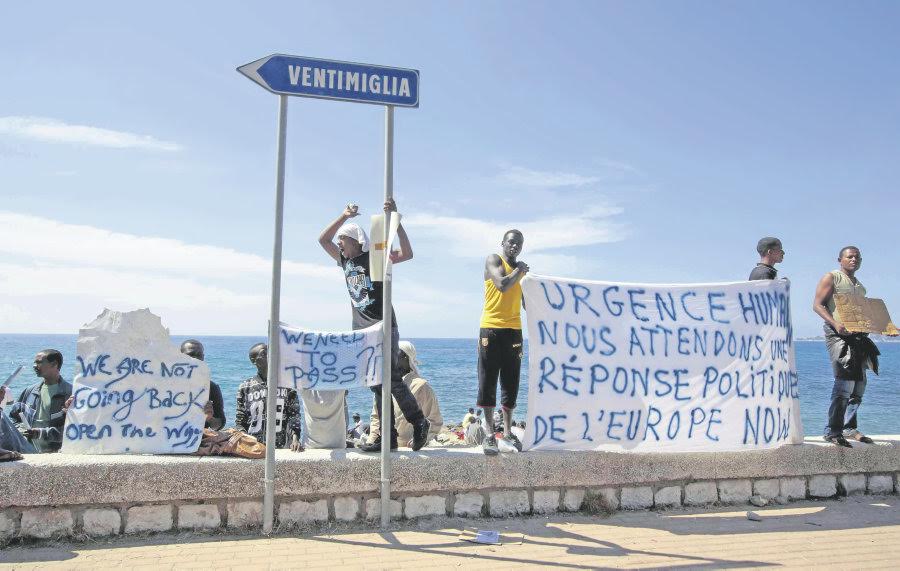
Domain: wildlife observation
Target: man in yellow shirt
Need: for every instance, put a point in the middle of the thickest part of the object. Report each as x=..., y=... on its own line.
x=500, y=338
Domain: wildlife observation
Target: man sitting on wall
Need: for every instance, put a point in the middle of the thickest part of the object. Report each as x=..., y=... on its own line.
x=40, y=412
x=215, y=407
x=251, y=412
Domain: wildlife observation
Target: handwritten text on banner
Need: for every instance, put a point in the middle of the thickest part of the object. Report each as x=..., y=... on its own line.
x=330, y=361
x=660, y=367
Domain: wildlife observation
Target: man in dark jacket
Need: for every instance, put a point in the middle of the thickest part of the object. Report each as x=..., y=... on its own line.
x=40, y=413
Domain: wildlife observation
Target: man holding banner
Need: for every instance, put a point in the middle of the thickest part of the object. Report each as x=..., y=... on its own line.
x=352, y=253
x=500, y=338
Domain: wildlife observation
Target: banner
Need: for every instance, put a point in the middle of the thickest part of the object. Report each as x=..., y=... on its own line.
x=660, y=368
x=134, y=392
x=330, y=361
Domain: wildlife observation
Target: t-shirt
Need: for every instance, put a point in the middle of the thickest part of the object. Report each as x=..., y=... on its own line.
x=365, y=295
x=42, y=417
x=251, y=411
x=763, y=272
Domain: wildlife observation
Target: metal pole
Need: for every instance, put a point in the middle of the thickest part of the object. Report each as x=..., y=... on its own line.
x=274, y=320
x=387, y=403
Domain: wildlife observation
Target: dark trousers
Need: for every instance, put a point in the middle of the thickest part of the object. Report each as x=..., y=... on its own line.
x=399, y=390
x=846, y=396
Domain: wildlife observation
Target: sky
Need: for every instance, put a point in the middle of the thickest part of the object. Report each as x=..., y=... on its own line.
x=646, y=142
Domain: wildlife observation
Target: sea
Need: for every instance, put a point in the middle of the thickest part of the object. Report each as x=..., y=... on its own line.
x=450, y=366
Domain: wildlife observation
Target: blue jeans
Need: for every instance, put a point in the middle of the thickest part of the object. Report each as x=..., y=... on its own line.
x=846, y=396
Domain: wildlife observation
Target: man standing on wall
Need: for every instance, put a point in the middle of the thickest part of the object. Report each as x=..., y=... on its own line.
x=352, y=253
x=251, y=415
x=770, y=253
x=215, y=407
x=851, y=353
x=500, y=338
x=40, y=412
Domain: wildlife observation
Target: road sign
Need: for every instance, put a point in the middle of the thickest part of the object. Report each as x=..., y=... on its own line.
x=340, y=80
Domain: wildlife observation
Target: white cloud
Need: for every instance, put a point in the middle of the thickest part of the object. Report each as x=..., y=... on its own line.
x=46, y=239
x=544, y=179
x=55, y=131
x=467, y=237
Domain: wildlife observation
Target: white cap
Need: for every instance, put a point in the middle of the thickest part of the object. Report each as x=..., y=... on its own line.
x=410, y=351
x=353, y=230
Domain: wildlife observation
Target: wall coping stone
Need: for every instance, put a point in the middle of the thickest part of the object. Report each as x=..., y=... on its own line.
x=61, y=479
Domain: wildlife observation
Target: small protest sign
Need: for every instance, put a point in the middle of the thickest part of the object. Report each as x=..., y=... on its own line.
x=616, y=366
x=134, y=392
x=327, y=361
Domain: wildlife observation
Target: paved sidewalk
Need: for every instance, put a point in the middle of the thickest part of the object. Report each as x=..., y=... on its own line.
x=858, y=532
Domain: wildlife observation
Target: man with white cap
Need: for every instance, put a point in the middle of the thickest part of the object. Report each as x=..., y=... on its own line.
x=352, y=253
x=423, y=393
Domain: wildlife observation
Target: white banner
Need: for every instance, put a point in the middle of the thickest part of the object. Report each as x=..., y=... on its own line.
x=134, y=391
x=330, y=361
x=641, y=367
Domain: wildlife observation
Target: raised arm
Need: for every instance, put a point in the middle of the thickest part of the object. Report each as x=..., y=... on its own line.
x=326, y=238
x=405, y=253
x=824, y=291
x=493, y=270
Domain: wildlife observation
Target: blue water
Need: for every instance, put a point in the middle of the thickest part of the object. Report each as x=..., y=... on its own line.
x=449, y=364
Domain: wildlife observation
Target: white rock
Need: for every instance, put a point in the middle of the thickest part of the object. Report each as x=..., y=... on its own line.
x=793, y=488
x=700, y=493
x=878, y=484
x=425, y=505
x=734, y=491
x=373, y=508
x=199, y=516
x=637, y=498
x=346, y=508
x=545, y=501
x=45, y=523
x=852, y=483
x=667, y=497
x=142, y=519
x=572, y=499
x=300, y=512
x=101, y=522
x=822, y=486
x=245, y=514
x=768, y=489
x=468, y=504
x=509, y=502
x=758, y=501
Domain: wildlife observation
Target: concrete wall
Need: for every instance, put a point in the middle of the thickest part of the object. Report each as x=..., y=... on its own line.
x=58, y=495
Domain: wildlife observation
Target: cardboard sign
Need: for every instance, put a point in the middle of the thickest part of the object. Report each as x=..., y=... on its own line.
x=864, y=314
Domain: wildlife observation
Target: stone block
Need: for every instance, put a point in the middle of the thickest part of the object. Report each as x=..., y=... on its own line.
x=637, y=498
x=420, y=506
x=735, y=491
x=199, y=516
x=700, y=493
x=245, y=514
x=878, y=484
x=545, y=501
x=667, y=497
x=300, y=512
x=573, y=499
x=373, y=508
x=767, y=489
x=142, y=519
x=468, y=504
x=45, y=523
x=823, y=486
x=601, y=500
x=9, y=520
x=793, y=488
x=99, y=522
x=850, y=484
x=509, y=503
x=346, y=508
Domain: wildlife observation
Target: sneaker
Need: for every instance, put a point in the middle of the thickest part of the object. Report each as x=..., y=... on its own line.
x=514, y=441
x=839, y=441
x=375, y=445
x=854, y=434
x=420, y=434
x=490, y=445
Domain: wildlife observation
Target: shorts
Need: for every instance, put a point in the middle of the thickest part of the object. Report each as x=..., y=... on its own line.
x=499, y=354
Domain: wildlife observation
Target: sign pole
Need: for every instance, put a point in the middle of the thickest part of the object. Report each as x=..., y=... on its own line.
x=274, y=321
x=387, y=403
